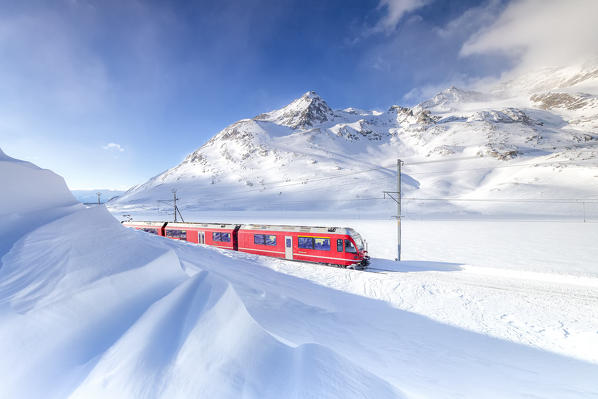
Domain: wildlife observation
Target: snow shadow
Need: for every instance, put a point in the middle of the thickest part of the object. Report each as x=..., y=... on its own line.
x=416, y=354
x=407, y=266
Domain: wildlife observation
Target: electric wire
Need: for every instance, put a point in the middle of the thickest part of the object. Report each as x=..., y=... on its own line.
x=286, y=183
x=385, y=168
x=307, y=181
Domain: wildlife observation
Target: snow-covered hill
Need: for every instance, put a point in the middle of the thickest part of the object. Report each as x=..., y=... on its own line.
x=90, y=309
x=532, y=138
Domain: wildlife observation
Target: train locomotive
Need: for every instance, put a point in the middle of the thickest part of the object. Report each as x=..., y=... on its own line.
x=340, y=246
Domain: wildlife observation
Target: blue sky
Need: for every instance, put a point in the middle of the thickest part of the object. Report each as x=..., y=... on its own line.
x=110, y=93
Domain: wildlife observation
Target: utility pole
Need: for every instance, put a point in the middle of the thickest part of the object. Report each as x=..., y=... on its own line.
x=396, y=197
x=99, y=194
x=399, y=162
x=174, y=199
x=175, y=207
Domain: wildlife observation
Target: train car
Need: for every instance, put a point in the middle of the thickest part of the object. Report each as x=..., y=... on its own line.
x=221, y=235
x=149, y=227
x=332, y=245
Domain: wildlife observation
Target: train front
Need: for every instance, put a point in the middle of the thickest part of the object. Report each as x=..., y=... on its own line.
x=362, y=259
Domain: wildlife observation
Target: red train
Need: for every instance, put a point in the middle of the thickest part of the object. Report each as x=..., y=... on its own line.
x=332, y=245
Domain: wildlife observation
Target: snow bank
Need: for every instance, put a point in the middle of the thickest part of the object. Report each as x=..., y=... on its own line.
x=200, y=341
x=29, y=197
x=27, y=188
x=105, y=311
x=91, y=309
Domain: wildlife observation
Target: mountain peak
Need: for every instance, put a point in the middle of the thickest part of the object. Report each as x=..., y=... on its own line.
x=451, y=96
x=312, y=95
x=304, y=112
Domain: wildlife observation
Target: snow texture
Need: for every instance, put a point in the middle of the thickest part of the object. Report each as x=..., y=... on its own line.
x=89, y=308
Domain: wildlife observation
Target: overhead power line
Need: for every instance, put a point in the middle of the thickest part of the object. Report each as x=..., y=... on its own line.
x=307, y=181
x=494, y=167
x=542, y=200
x=387, y=168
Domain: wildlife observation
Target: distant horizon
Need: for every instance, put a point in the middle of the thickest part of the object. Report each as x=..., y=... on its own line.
x=95, y=189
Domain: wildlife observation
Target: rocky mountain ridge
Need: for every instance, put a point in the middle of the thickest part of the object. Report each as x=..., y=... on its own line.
x=307, y=148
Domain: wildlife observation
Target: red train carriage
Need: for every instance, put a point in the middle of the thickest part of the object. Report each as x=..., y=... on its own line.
x=334, y=245
x=216, y=234
x=149, y=227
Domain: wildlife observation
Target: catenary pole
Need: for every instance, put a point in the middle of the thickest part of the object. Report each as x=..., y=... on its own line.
x=399, y=162
x=174, y=199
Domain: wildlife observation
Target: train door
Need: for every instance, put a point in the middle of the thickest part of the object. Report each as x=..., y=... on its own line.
x=201, y=237
x=288, y=247
x=236, y=238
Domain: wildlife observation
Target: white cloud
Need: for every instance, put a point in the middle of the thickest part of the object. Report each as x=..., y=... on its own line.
x=395, y=10
x=113, y=147
x=540, y=33
x=471, y=20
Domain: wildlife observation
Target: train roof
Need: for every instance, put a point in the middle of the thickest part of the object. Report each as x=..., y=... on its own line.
x=144, y=223
x=206, y=225
x=299, y=229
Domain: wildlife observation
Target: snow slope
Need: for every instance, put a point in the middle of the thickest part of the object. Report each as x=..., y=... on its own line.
x=30, y=196
x=28, y=188
x=91, y=309
x=491, y=277
x=532, y=138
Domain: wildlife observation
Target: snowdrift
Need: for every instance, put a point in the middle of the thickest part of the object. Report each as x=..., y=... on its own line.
x=30, y=196
x=91, y=309
x=27, y=188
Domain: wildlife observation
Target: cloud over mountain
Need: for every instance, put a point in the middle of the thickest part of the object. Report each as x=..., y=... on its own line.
x=540, y=33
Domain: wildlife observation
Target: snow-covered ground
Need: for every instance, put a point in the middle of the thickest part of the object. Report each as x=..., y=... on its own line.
x=529, y=282
x=89, y=308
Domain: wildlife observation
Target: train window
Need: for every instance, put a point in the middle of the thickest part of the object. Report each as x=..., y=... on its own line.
x=264, y=239
x=305, y=242
x=349, y=247
x=221, y=237
x=339, y=245
x=322, y=244
x=178, y=234
x=148, y=230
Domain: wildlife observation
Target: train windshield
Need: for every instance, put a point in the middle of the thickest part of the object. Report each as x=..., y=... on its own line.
x=357, y=238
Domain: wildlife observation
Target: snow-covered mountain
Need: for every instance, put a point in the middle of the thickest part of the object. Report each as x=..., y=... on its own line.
x=527, y=138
